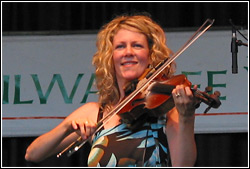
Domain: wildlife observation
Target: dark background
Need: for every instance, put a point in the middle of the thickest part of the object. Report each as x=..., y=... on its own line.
x=214, y=150
x=91, y=16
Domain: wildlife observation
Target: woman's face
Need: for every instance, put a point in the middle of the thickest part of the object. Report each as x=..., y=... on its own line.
x=130, y=54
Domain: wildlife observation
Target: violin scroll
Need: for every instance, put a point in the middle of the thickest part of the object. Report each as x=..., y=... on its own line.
x=211, y=100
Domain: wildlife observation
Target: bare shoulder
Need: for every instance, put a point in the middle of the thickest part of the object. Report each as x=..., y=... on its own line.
x=89, y=110
x=90, y=106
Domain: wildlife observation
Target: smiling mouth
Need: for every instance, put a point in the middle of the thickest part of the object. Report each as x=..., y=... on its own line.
x=129, y=63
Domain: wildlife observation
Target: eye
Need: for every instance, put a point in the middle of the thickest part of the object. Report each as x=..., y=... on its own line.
x=137, y=45
x=119, y=46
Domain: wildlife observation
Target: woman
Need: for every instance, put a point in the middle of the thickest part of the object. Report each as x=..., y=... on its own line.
x=126, y=47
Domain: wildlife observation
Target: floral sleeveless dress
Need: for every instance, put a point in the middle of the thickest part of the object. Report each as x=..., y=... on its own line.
x=121, y=147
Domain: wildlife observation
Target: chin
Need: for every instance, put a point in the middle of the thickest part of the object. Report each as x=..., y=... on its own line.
x=130, y=75
x=129, y=78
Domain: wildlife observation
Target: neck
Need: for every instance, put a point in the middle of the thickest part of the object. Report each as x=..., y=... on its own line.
x=121, y=84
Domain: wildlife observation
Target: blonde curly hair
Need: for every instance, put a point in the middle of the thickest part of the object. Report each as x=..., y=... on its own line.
x=105, y=72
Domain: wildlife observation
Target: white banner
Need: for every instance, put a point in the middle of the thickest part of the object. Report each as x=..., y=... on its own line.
x=45, y=78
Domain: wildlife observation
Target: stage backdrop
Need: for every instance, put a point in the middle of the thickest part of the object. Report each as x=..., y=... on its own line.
x=45, y=78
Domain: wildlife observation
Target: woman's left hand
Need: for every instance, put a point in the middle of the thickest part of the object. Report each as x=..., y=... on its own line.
x=184, y=100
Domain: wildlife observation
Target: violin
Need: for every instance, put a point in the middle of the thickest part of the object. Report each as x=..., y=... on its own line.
x=148, y=93
x=157, y=100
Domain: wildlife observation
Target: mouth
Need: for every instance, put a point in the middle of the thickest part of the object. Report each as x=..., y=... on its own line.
x=129, y=63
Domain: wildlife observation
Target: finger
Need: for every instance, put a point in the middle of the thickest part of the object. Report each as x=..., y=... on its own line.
x=90, y=128
x=74, y=125
x=188, y=92
x=83, y=131
x=179, y=91
x=79, y=127
x=195, y=87
x=86, y=127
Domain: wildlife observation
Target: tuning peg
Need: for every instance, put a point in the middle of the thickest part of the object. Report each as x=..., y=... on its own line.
x=208, y=89
x=217, y=93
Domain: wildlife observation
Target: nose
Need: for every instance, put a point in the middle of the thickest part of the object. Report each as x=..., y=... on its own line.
x=129, y=51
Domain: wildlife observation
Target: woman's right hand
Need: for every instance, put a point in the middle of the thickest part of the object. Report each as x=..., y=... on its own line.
x=84, y=127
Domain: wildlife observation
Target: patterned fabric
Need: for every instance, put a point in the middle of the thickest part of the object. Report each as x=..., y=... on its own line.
x=121, y=147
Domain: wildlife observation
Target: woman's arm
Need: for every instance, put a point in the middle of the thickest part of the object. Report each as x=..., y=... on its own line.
x=64, y=134
x=49, y=143
x=180, y=128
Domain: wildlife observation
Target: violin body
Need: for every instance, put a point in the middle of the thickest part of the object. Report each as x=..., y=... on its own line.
x=157, y=100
